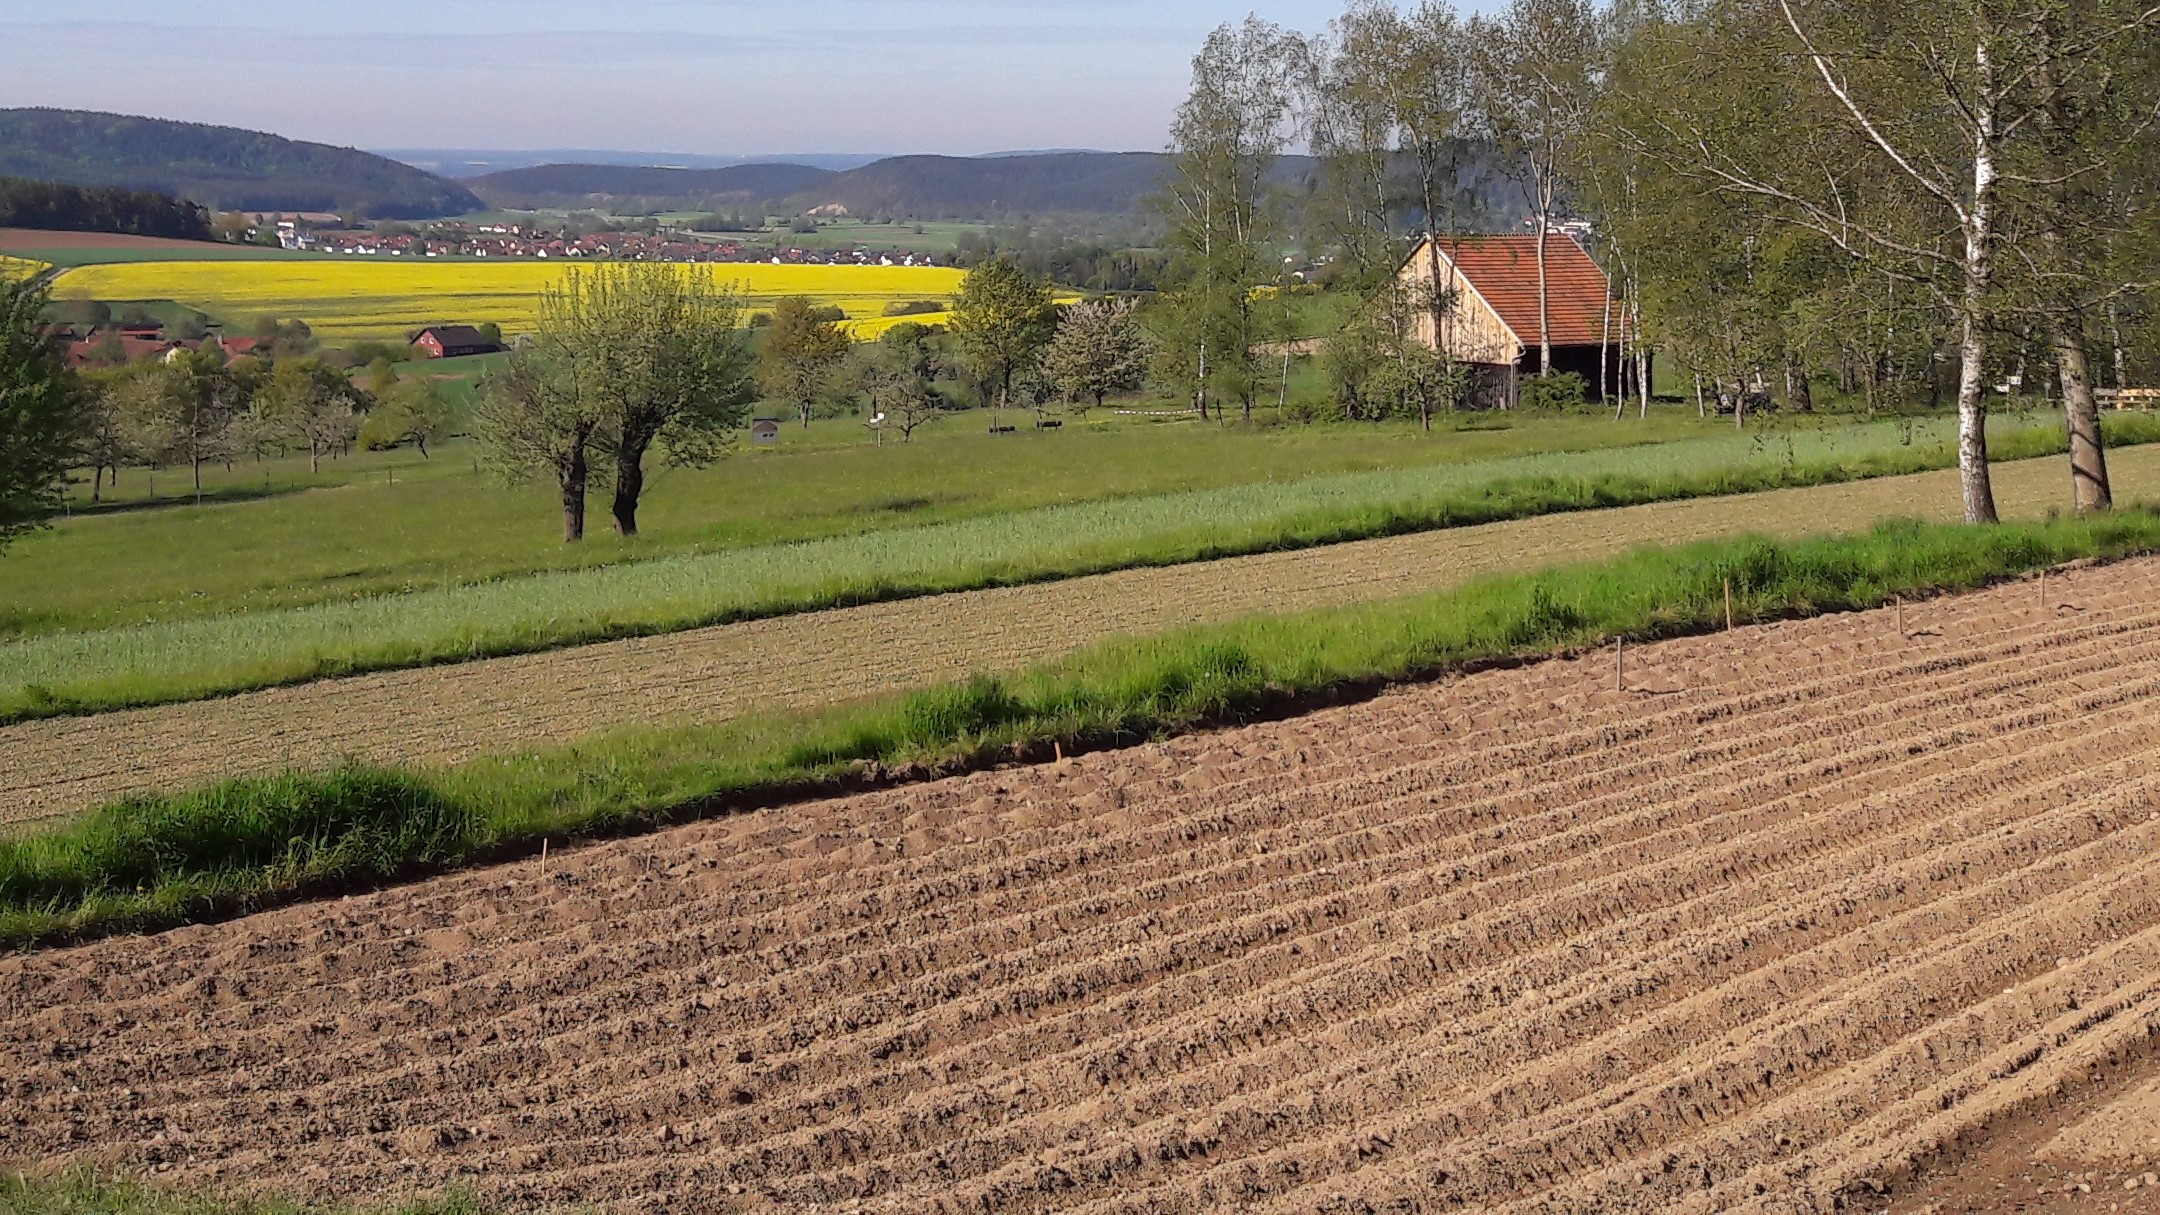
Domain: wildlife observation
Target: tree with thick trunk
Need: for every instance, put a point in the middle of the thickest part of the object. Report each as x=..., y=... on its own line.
x=532, y=415
x=656, y=347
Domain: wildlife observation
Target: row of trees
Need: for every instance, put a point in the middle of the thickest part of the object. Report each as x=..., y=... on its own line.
x=56, y=206
x=1962, y=181
x=198, y=408
x=643, y=362
x=1783, y=191
x=193, y=409
x=1407, y=113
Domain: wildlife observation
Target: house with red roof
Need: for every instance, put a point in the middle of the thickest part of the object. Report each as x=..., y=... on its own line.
x=1493, y=322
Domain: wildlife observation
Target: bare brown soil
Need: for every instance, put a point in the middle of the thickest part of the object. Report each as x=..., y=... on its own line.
x=446, y=714
x=1805, y=913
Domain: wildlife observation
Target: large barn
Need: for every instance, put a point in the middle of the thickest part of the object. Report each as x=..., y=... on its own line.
x=1493, y=325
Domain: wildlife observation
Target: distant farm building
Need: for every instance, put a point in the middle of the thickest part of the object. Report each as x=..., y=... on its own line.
x=1492, y=325
x=453, y=341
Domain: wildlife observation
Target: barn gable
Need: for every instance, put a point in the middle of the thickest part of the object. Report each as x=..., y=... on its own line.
x=1495, y=280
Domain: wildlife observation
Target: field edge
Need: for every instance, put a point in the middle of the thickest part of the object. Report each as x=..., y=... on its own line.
x=246, y=845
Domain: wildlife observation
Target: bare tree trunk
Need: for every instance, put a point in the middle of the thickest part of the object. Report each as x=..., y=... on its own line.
x=1544, y=313
x=1702, y=408
x=97, y=484
x=1200, y=386
x=1978, y=489
x=2114, y=316
x=1604, y=352
x=1633, y=319
x=2088, y=456
x=629, y=484
x=1438, y=302
x=573, y=498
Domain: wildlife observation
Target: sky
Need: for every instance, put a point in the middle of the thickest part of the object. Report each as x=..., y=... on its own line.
x=722, y=77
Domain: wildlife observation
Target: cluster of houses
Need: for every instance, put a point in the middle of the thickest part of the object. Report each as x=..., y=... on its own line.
x=109, y=345
x=460, y=239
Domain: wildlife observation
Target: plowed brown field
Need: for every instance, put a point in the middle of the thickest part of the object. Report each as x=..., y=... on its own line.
x=447, y=714
x=1803, y=905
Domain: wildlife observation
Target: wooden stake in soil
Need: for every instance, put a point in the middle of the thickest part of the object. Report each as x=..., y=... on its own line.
x=1619, y=664
x=1728, y=605
x=1901, y=617
x=543, y=856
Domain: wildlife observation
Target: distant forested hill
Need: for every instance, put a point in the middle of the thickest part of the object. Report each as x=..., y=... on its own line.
x=223, y=168
x=64, y=208
x=1094, y=183
x=586, y=185
x=917, y=187
x=992, y=188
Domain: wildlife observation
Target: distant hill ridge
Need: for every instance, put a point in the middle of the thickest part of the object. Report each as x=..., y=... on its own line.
x=223, y=168
x=918, y=187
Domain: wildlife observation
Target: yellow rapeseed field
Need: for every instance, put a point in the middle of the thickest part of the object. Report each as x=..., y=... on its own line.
x=346, y=300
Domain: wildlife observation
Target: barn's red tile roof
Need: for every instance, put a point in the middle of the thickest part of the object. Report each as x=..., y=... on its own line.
x=1503, y=269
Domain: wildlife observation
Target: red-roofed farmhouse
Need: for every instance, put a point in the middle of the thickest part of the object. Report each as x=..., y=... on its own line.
x=1493, y=323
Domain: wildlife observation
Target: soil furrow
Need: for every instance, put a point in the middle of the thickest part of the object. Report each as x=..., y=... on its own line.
x=1517, y=928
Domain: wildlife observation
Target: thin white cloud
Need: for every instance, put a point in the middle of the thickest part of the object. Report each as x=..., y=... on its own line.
x=719, y=76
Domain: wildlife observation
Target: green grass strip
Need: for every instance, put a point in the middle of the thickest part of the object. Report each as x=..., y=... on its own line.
x=73, y=673
x=159, y=861
x=89, y=1192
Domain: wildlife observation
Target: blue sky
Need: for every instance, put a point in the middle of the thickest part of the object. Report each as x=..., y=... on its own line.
x=705, y=76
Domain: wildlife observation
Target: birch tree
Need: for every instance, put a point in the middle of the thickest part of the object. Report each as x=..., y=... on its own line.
x=2095, y=102
x=1224, y=141
x=1812, y=112
x=1533, y=78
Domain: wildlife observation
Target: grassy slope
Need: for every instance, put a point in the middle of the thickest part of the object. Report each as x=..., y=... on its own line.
x=391, y=521
x=246, y=844
x=188, y=659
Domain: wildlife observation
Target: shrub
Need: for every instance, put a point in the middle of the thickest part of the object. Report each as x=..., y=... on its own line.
x=1563, y=391
x=914, y=307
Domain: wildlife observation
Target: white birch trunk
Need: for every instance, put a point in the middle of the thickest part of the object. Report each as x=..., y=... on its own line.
x=1978, y=489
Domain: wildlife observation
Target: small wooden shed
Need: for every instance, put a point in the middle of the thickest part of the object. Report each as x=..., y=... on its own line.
x=1493, y=323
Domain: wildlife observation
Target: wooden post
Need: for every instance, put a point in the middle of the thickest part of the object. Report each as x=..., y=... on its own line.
x=1901, y=617
x=1619, y=664
x=543, y=856
x=1728, y=605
